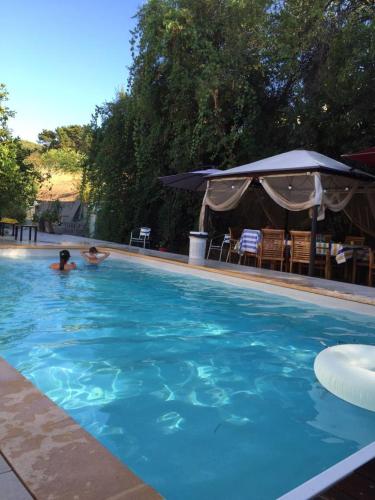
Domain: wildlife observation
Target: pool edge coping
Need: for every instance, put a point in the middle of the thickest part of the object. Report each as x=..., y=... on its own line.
x=46, y=448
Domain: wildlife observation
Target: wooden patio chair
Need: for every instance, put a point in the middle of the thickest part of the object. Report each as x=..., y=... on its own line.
x=299, y=249
x=235, y=235
x=300, y=253
x=246, y=256
x=272, y=247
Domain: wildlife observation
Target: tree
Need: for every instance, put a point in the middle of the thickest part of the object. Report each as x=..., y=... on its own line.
x=73, y=137
x=321, y=56
x=18, y=180
x=62, y=150
x=58, y=160
x=47, y=139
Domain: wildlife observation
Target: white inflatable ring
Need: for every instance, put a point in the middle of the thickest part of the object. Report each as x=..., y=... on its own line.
x=348, y=371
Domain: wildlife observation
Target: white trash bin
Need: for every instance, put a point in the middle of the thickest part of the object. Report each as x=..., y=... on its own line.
x=197, y=249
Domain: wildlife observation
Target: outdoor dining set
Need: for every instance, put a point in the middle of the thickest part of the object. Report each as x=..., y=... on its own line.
x=290, y=251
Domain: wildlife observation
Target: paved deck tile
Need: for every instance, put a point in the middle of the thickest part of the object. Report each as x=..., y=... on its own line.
x=11, y=488
x=4, y=466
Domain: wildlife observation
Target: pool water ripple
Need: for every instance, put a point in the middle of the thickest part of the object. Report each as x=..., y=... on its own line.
x=197, y=386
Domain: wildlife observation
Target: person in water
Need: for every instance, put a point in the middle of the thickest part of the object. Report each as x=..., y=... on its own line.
x=92, y=256
x=64, y=264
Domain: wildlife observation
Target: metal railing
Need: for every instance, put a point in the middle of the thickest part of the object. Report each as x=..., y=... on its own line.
x=75, y=228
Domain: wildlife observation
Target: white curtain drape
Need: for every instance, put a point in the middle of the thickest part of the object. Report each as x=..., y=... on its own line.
x=361, y=210
x=222, y=195
x=304, y=191
x=294, y=192
x=337, y=192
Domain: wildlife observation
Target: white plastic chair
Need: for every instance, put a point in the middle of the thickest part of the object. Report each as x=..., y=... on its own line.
x=217, y=244
x=141, y=236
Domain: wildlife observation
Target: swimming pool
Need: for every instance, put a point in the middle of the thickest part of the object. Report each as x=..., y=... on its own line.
x=204, y=389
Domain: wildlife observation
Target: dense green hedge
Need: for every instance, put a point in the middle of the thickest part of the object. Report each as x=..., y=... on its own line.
x=225, y=82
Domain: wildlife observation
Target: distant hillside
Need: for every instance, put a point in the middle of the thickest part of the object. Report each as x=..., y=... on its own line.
x=60, y=186
x=32, y=146
x=57, y=166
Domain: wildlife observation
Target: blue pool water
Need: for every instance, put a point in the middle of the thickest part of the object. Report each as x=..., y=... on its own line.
x=205, y=390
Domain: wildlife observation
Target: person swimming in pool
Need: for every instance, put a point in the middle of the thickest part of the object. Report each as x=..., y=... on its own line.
x=64, y=264
x=93, y=257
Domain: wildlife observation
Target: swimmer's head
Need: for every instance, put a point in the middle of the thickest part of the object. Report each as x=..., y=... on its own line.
x=64, y=257
x=93, y=250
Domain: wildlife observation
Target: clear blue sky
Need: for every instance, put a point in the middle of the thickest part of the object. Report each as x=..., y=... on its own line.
x=61, y=58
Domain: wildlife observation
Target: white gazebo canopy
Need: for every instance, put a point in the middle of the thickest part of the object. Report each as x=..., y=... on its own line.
x=297, y=180
x=292, y=161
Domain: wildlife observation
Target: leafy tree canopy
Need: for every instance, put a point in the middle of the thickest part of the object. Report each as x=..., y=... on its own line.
x=62, y=159
x=74, y=137
x=62, y=150
x=47, y=139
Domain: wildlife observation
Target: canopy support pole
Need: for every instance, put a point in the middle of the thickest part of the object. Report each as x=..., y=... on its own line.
x=206, y=217
x=314, y=220
x=286, y=220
